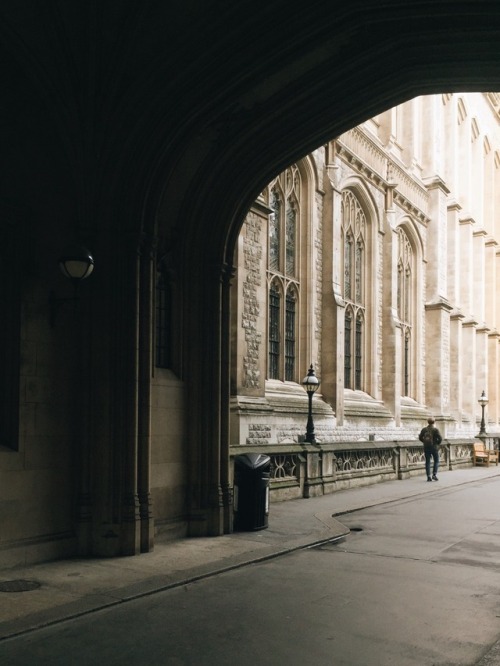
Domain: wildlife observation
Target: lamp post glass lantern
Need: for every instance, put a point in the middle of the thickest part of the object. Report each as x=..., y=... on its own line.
x=483, y=401
x=311, y=385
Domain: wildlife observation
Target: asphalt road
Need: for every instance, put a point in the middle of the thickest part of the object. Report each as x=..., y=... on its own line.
x=416, y=583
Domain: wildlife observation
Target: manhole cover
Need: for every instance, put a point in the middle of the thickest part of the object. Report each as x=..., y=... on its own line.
x=18, y=585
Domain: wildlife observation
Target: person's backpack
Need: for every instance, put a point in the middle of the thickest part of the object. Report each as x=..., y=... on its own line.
x=428, y=437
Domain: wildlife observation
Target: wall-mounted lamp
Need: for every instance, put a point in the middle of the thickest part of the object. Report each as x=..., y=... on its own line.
x=76, y=264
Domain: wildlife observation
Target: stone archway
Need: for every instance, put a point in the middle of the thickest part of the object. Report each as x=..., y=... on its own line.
x=138, y=120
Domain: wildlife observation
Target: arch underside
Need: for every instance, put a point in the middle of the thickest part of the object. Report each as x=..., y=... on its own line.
x=133, y=126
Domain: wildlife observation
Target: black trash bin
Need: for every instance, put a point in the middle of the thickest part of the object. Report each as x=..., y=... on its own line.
x=251, y=491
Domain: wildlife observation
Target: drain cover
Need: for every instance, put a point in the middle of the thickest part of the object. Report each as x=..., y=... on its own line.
x=19, y=585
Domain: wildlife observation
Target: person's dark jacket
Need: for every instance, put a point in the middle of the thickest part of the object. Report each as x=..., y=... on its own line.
x=435, y=434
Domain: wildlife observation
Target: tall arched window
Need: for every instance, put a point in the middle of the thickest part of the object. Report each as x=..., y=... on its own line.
x=274, y=330
x=284, y=289
x=405, y=306
x=354, y=244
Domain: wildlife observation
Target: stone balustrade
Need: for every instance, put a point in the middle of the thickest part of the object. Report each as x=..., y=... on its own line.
x=305, y=470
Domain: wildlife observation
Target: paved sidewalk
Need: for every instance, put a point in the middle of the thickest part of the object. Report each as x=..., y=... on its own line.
x=70, y=588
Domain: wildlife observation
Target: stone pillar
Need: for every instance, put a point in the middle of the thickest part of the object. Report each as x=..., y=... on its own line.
x=82, y=423
x=225, y=480
x=437, y=241
x=453, y=260
x=478, y=275
x=466, y=264
x=493, y=378
x=332, y=362
x=456, y=369
x=433, y=139
x=482, y=366
x=469, y=387
x=203, y=318
x=249, y=305
x=490, y=283
x=146, y=361
x=126, y=417
x=391, y=343
x=437, y=384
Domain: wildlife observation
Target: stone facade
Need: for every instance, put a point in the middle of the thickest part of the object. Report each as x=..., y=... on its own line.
x=425, y=180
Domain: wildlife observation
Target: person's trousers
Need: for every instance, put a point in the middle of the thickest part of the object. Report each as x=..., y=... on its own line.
x=434, y=454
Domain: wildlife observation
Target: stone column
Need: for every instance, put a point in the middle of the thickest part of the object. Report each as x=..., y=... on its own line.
x=249, y=305
x=490, y=283
x=478, y=274
x=469, y=387
x=332, y=362
x=146, y=360
x=437, y=241
x=126, y=417
x=225, y=480
x=493, y=378
x=391, y=343
x=482, y=366
x=456, y=363
x=466, y=264
x=438, y=308
x=453, y=260
x=437, y=383
x=203, y=318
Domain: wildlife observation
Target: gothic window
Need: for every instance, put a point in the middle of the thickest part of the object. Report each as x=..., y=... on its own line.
x=354, y=271
x=163, y=320
x=405, y=305
x=290, y=351
x=347, y=348
x=284, y=290
x=291, y=217
x=274, y=231
x=274, y=331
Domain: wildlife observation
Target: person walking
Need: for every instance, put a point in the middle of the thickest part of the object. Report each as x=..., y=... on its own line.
x=431, y=439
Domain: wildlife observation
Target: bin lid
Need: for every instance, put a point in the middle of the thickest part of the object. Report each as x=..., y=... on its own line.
x=252, y=460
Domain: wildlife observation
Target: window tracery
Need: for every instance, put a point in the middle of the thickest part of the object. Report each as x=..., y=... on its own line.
x=284, y=289
x=404, y=305
x=354, y=270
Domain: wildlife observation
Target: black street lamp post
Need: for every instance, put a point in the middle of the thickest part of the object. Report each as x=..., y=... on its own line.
x=311, y=385
x=483, y=401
